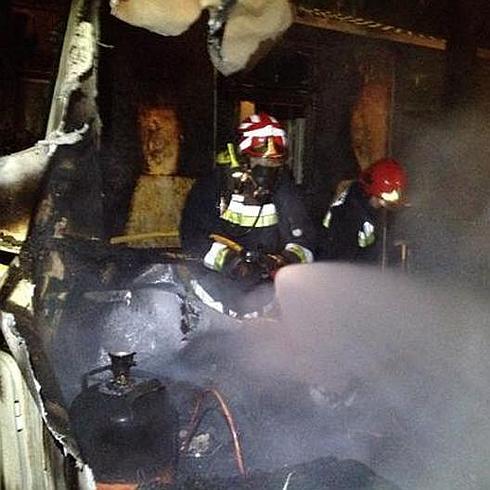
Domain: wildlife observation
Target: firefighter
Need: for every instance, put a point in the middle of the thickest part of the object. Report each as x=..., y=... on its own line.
x=245, y=231
x=350, y=227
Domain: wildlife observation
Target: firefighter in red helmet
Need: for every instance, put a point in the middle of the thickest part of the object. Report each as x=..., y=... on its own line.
x=349, y=229
x=384, y=181
x=245, y=233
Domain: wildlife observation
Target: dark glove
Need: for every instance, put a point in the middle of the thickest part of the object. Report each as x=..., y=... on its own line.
x=240, y=267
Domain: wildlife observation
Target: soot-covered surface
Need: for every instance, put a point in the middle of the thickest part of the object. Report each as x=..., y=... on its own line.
x=381, y=369
x=320, y=474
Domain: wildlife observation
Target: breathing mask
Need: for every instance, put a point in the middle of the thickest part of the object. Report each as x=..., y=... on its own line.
x=265, y=176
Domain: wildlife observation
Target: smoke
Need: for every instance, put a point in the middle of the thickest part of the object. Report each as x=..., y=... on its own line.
x=384, y=368
x=419, y=348
x=142, y=320
x=376, y=367
x=139, y=326
x=446, y=227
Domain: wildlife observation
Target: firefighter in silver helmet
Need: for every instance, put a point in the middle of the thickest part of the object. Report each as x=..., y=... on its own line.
x=246, y=232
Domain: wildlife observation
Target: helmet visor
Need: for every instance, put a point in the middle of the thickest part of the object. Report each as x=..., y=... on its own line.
x=392, y=197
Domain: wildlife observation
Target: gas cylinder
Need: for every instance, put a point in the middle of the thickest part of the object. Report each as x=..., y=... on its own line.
x=125, y=425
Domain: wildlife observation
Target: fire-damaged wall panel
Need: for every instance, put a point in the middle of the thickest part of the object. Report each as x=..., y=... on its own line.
x=28, y=60
x=158, y=127
x=159, y=134
x=160, y=193
x=62, y=171
x=371, y=118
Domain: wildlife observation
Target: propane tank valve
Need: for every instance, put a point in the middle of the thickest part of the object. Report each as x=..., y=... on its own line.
x=121, y=364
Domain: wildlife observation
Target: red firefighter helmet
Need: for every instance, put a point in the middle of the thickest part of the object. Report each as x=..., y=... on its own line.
x=385, y=179
x=261, y=135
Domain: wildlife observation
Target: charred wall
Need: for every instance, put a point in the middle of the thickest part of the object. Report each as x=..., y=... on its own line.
x=30, y=43
x=139, y=68
x=337, y=85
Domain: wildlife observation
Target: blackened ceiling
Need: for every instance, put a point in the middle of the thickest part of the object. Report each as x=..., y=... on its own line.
x=436, y=17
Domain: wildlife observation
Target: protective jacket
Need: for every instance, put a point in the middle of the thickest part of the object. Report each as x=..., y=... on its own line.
x=276, y=225
x=349, y=228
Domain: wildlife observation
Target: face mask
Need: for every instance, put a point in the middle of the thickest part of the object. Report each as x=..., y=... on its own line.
x=265, y=178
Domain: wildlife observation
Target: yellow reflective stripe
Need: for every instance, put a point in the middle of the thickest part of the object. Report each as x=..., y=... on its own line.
x=247, y=220
x=215, y=256
x=220, y=258
x=366, y=236
x=301, y=255
x=327, y=219
x=304, y=254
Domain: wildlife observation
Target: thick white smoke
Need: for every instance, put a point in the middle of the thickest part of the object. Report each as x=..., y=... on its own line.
x=419, y=346
x=377, y=367
x=447, y=225
x=387, y=368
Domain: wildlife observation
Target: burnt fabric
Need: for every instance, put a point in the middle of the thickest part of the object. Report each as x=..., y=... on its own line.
x=249, y=26
x=349, y=229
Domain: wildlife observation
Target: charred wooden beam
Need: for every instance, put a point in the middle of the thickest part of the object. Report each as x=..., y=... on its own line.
x=325, y=19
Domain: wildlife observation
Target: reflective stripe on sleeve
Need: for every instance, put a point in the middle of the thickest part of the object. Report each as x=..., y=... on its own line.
x=366, y=236
x=327, y=219
x=215, y=256
x=304, y=254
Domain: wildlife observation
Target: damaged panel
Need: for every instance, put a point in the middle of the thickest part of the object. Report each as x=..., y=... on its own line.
x=152, y=218
x=22, y=172
x=160, y=136
x=21, y=431
x=371, y=116
x=160, y=193
x=68, y=202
